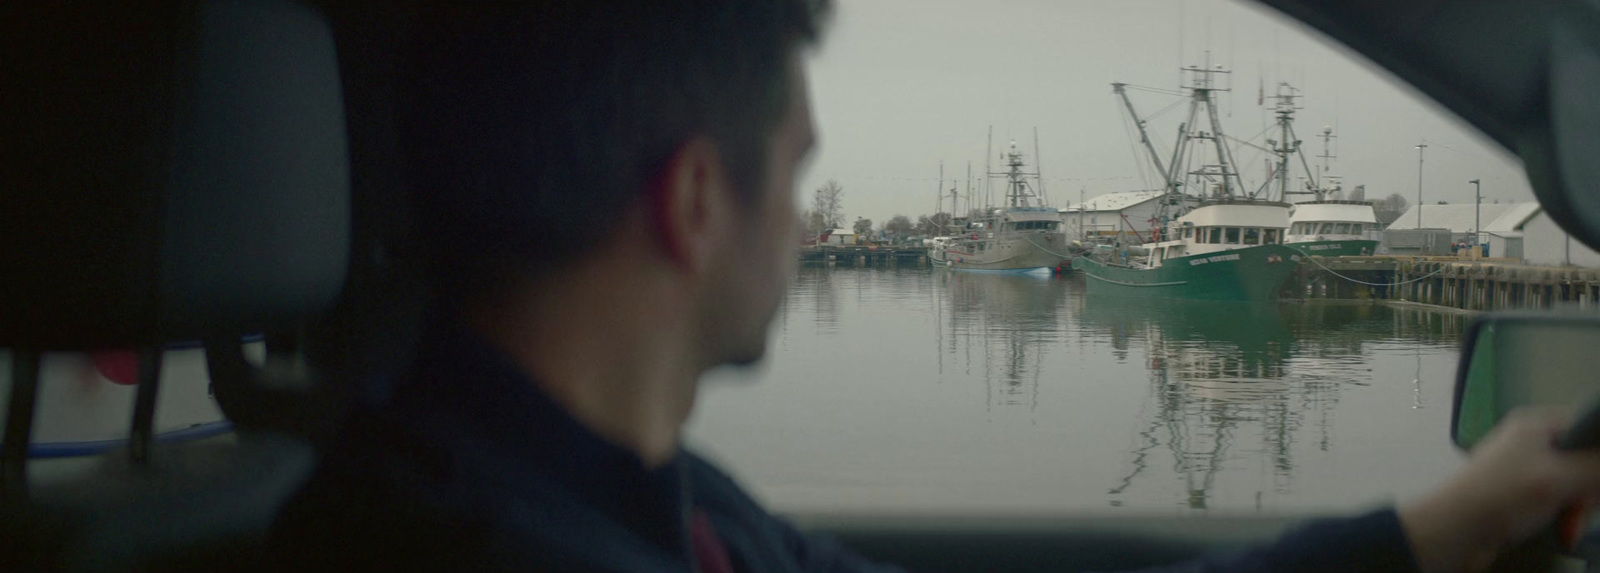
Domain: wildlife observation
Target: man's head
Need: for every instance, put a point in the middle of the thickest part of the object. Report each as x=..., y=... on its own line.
x=540, y=131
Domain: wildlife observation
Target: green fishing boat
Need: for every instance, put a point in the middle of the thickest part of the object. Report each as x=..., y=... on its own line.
x=1333, y=228
x=1223, y=250
x=1336, y=248
x=1227, y=248
x=1251, y=274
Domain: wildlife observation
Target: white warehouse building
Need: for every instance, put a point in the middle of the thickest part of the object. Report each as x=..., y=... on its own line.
x=1125, y=216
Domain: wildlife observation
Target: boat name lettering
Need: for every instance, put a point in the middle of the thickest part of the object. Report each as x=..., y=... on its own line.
x=1216, y=259
x=1324, y=247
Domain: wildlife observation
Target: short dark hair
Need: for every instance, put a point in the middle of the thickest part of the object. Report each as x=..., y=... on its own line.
x=531, y=126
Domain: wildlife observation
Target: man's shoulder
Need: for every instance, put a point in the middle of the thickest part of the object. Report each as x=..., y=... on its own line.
x=382, y=499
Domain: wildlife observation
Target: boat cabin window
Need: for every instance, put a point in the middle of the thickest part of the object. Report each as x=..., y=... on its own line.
x=1273, y=238
x=1188, y=232
x=1214, y=235
x=1252, y=236
x=1343, y=229
x=1232, y=235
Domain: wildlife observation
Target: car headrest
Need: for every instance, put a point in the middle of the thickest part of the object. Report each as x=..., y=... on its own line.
x=171, y=170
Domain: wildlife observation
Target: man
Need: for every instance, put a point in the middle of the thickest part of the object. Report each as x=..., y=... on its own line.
x=606, y=191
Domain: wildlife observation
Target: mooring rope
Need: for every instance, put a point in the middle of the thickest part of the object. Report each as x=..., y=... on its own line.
x=1314, y=261
x=1030, y=240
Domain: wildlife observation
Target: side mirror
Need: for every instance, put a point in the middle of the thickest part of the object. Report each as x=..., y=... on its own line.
x=1515, y=360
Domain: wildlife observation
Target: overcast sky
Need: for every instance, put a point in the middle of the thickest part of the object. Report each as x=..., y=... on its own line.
x=901, y=85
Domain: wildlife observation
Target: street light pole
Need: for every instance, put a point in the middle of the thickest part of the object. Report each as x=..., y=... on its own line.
x=1477, y=213
x=1420, y=148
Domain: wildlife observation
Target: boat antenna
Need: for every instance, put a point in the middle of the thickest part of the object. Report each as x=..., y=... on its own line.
x=988, y=155
x=1038, y=167
x=1327, y=147
x=953, y=212
x=955, y=197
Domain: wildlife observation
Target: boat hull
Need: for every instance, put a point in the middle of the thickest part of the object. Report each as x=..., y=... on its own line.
x=1355, y=248
x=1016, y=254
x=1252, y=274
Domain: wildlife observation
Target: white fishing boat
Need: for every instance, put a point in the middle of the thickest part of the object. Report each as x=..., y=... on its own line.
x=1024, y=236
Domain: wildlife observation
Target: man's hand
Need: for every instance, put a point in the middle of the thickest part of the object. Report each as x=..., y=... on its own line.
x=1514, y=486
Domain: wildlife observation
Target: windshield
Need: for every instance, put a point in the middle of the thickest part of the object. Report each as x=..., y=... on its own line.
x=909, y=386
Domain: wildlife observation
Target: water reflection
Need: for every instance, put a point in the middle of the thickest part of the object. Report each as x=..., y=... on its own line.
x=816, y=289
x=1216, y=369
x=916, y=390
x=1012, y=321
x=1212, y=369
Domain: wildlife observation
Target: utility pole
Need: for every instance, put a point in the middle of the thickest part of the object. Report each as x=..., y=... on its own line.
x=1420, y=148
x=1477, y=213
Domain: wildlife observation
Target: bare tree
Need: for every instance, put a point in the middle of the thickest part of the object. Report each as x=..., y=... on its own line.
x=828, y=203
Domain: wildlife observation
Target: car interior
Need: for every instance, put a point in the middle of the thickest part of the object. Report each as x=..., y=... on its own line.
x=217, y=171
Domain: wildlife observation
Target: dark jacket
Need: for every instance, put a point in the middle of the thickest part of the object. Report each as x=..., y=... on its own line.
x=467, y=466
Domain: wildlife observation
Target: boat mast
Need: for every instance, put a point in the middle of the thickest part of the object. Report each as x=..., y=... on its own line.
x=1289, y=145
x=1083, y=233
x=1018, y=193
x=988, y=153
x=1327, y=156
x=1202, y=90
x=1038, y=167
x=953, y=213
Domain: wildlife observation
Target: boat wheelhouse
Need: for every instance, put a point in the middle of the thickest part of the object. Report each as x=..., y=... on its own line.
x=1333, y=228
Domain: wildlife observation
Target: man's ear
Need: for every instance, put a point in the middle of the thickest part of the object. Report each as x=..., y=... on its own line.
x=691, y=198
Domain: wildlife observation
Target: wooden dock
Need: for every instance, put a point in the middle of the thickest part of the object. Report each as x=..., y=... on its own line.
x=1460, y=283
x=865, y=255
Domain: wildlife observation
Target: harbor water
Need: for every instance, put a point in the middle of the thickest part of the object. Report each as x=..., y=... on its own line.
x=924, y=391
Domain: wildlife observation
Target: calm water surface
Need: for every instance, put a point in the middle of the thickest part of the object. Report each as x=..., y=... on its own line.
x=925, y=391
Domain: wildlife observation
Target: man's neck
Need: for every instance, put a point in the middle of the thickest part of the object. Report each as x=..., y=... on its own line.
x=619, y=358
